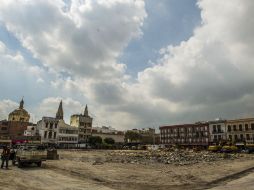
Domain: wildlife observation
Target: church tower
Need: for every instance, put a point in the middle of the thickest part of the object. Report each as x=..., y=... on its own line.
x=86, y=111
x=59, y=113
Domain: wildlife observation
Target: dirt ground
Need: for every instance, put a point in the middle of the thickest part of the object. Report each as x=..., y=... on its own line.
x=78, y=170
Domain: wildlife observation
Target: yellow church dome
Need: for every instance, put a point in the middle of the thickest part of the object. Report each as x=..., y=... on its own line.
x=19, y=114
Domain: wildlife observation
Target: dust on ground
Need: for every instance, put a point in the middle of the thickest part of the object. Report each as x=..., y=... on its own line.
x=126, y=169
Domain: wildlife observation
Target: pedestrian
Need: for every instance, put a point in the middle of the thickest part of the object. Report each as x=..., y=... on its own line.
x=12, y=156
x=5, y=157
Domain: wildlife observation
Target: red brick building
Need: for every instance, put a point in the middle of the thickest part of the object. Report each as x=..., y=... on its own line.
x=12, y=129
x=187, y=134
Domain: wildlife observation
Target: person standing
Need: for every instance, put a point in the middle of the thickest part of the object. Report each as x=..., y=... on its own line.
x=12, y=156
x=5, y=157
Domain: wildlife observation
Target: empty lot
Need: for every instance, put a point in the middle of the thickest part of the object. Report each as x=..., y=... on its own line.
x=78, y=170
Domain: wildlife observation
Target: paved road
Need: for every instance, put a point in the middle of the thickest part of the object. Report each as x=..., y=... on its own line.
x=243, y=183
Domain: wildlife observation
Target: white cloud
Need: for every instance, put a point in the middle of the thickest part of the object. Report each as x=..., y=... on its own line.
x=85, y=39
x=7, y=106
x=206, y=76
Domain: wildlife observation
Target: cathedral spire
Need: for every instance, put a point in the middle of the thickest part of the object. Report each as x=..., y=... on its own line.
x=21, y=104
x=59, y=113
x=86, y=111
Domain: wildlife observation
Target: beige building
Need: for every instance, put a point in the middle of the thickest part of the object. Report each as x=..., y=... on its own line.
x=240, y=130
x=108, y=132
x=67, y=136
x=19, y=114
x=84, y=124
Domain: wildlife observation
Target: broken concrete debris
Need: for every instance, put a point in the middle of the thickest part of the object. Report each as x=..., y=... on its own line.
x=176, y=157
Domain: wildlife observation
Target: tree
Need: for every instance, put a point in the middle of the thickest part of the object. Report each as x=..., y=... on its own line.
x=109, y=140
x=132, y=136
x=94, y=140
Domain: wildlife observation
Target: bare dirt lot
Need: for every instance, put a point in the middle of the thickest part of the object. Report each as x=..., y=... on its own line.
x=122, y=170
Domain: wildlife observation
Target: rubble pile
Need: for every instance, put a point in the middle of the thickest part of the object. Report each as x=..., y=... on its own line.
x=177, y=157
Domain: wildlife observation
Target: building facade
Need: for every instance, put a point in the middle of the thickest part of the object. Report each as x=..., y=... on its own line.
x=54, y=130
x=187, y=134
x=17, y=123
x=217, y=130
x=47, y=128
x=108, y=132
x=4, y=130
x=67, y=136
x=84, y=124
x=240, y=130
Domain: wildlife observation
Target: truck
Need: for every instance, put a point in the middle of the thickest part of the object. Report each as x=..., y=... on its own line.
x=29, y=154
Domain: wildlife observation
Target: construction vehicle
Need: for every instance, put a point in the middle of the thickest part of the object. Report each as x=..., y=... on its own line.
x=214, y=148
x=229, y=149
x=29, y=154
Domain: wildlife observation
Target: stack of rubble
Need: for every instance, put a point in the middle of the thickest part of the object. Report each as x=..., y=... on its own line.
x=177, y=157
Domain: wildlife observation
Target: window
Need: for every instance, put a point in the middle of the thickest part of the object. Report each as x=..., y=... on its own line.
x=230, y=137
x=229, y=128
x=214, y=128
x=45, y=134
x=246, y=127
x=50, y=135
x=4, y=128
x=240, y=127
x=236, y=137
x=55, y=125
x=54, y=135
x=248, y=136
x=241, y=136
x=219, y=128
x=51, y=126
x=234, y=127
x=252, y=126
x=47, y=125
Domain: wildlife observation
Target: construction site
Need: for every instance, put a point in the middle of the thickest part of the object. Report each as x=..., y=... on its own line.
x=132, y=169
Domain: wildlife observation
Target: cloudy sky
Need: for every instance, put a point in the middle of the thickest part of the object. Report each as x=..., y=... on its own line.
x=135, y=63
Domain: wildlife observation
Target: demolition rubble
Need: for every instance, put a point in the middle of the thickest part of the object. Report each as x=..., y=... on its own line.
x=176, y=157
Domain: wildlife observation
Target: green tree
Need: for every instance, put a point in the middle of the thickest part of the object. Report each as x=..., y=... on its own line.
x=109, y=140
x=132, y=136
x=94, y=140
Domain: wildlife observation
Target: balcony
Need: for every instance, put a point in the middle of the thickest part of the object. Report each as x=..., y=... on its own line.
x=218, y=132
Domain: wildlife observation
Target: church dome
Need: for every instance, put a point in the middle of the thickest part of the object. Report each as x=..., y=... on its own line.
x=19, y=114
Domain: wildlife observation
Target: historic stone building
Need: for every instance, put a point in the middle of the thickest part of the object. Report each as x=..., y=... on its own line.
x=17, y=123
x=19, y=114
x=54, y=130
x=240, y=130
x=217, y=130
x=47, y=128
x=67, y=136
x=84, y=124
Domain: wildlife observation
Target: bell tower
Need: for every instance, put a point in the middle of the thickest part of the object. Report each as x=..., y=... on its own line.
x=59, y=113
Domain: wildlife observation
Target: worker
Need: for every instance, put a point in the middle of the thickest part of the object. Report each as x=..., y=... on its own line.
x=12, y=156
x=5, y=157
